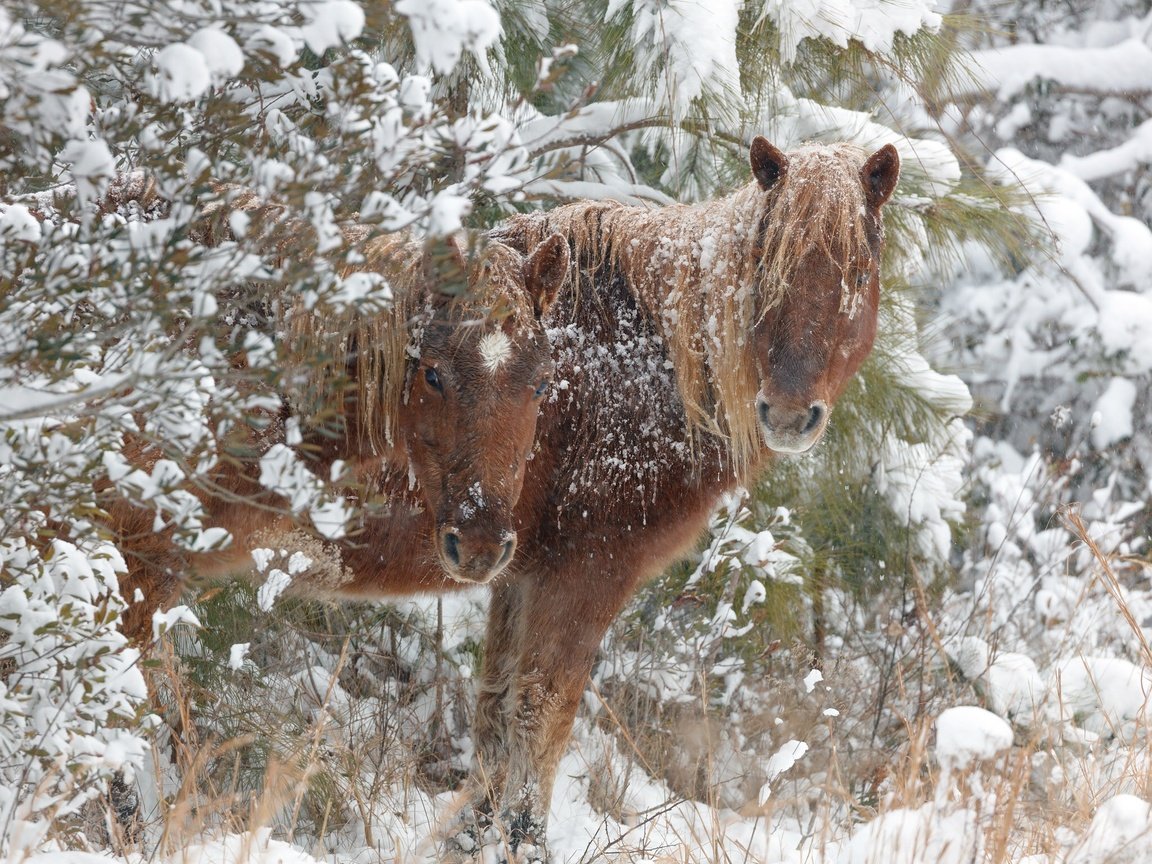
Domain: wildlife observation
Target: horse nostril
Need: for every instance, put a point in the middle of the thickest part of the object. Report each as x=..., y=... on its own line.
x=506, y=552
x=762, y=410
x=452, y=547
x=815, y=417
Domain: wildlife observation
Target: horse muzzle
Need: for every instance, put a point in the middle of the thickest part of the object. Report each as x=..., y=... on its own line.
x=790, y=428
x=473, y=555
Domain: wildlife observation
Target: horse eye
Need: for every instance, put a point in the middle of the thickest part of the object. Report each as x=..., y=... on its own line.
x=433, y=379
x=541, y=388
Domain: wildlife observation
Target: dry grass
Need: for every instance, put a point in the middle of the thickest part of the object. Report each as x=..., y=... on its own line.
x=326, y=777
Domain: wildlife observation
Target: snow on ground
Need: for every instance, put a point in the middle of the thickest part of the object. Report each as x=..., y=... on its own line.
x=1098, y=702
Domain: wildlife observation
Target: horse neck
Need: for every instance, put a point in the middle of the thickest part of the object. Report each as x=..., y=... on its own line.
x=693, y=269
x=680, y=243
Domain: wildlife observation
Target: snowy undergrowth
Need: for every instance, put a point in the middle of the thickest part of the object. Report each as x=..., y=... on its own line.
x=690, y=749
x=787, y=766
x=72, y=694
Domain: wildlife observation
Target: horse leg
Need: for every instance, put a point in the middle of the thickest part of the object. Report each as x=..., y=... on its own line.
x=563, y=619
x=147, y=586
x=494, y=701
x=496, y=698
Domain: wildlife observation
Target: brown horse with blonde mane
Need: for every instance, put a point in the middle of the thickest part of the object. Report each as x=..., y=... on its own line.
x=433, y=418
x=694, y=343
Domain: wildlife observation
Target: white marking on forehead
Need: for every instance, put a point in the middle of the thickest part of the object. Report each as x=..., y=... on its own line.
x=495, y=348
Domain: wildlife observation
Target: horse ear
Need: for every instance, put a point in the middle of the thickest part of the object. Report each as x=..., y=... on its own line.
x=446, y=267
x=545, y=272
x=880, y=174
x=768, y=163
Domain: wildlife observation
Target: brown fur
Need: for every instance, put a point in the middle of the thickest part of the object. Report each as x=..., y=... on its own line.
x=436, y=442
x=693, y=341
x=709, y=272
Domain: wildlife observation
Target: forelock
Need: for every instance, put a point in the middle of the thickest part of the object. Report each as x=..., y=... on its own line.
x=820, y=203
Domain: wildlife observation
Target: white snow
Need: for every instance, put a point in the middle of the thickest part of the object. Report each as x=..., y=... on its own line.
x=914, y=836
x=1015, y=688
x=966, y=734
x=1009, y=69
x=1124, y=324
x=275, y=584
x=330, y=23
x=256, y=847
x=874, y=23
x=812, y=679
x=444, y=29
x=164, y=620
x=1105, y=695
x=222, y=55
x=779, y=762
x=1133, y=153
x=694, y=42
x=1120, y=833
x=182, y=73
x=282, y=471
x=91, y=165
x=17, y=224
x=446, y=213
x=1115, y=409
x=274, y=41
x=237, y=654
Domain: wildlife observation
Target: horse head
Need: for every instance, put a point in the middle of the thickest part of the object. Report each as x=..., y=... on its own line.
x=473, y=395
x=822, y=237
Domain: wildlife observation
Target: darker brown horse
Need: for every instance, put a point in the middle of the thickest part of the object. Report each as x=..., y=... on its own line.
x=440, y=399
x=695, y=342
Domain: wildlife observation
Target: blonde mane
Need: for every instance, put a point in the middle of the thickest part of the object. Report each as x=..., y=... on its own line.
x=819, y=205
x=709, y=272
x=326, y=351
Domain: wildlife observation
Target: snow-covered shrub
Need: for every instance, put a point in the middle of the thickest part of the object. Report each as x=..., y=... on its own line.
x=355, y=709
x=121, y=332
x=71, y=691
x=749, y=557
x=1056, y=343
x=693, y=650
